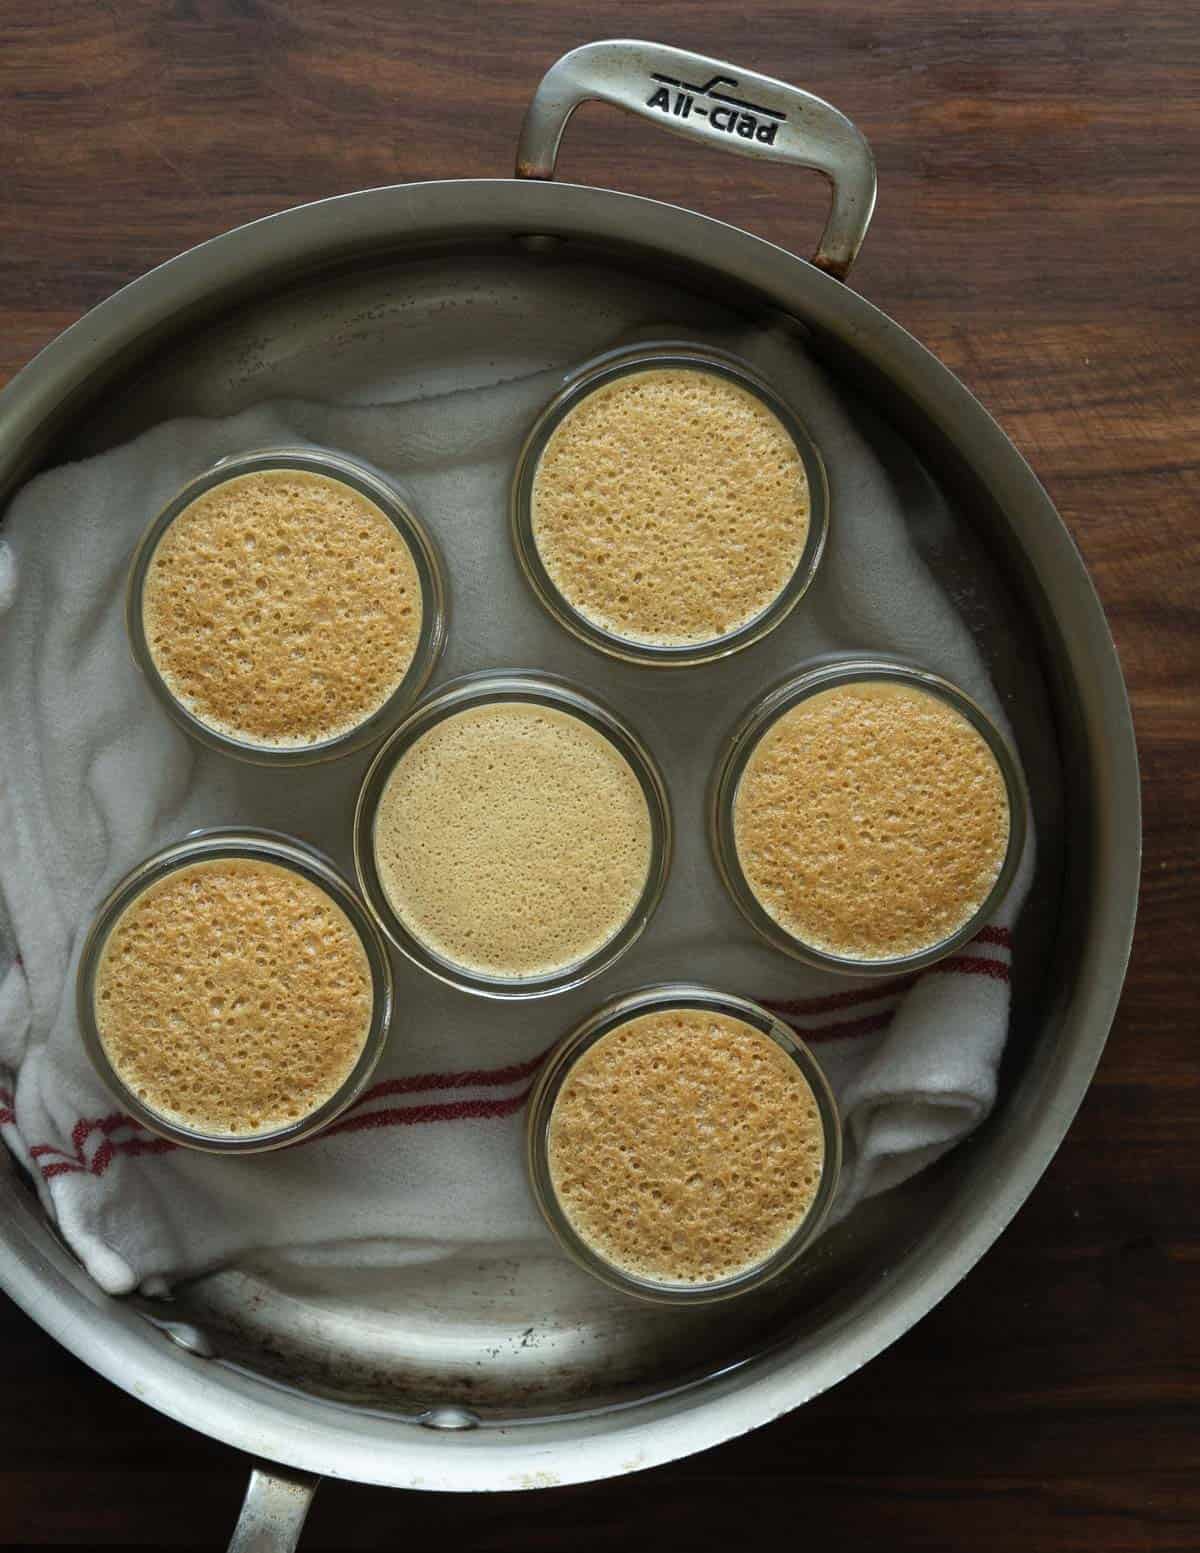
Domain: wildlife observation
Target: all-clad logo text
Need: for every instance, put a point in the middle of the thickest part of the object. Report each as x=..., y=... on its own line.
x=733, y=115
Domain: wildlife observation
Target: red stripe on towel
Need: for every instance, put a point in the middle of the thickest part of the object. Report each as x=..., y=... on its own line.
x=471, y=1078
x=407, y=1116
x=835, y=1000
x=869, y=1024
x=970, y=965
x=874, y=991
x=357, y=1120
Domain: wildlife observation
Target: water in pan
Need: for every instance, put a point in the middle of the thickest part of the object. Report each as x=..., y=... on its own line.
x=514, y=1333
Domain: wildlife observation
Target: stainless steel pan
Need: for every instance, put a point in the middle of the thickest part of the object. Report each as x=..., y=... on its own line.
x=440, y=1386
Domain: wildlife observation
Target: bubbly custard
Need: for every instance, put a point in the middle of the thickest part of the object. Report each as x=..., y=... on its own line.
x=685, y=1146
x=871, y=820
x=670, y=507
x=282, y=608
x=233, y=996
x=513, y=839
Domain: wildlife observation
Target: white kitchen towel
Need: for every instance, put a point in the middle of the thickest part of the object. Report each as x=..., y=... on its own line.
x=93, y=776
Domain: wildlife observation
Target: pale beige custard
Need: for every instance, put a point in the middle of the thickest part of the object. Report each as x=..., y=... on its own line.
x=513, y=839
x=686, y=1147
x=282, y=608
x=233, y=996
x=670, y=507
x=871, y=820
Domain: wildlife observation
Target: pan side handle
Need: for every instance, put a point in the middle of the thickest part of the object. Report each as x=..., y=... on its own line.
x=274, y=1510
x=720, y=105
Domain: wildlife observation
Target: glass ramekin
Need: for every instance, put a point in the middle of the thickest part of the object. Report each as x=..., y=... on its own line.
x=335, y=466
x=481, y=689
x=606, y=369
x=553, y=1075
x=255, y=845
x=743, y=740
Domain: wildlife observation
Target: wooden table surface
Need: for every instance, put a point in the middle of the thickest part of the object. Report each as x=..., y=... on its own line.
x=1038, y=228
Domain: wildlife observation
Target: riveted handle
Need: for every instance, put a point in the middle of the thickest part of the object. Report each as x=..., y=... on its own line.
x=721, y=105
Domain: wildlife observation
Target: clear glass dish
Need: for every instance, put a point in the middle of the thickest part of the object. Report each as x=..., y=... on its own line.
x=606, y=369
x=474, y=690
x=740, y=745
x=552, y=1077
x=255, y=845
x=382, y=494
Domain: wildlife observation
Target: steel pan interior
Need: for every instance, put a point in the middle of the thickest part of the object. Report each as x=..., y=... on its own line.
x=481, y=1378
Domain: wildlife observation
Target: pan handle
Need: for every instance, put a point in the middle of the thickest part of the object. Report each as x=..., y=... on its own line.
x=721, y=105
x=274, y=1510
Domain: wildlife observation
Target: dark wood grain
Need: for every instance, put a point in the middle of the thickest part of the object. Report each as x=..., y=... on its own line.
x=1038, y=227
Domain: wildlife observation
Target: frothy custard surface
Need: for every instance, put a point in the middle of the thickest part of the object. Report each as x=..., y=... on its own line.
x=233, y=996
x=685, y=1146
x=282, y=607
x=871, y=820
x=513, y=839
x=670, y=507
